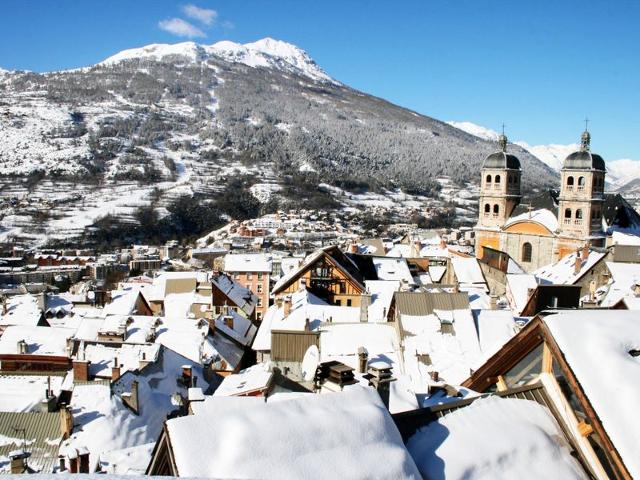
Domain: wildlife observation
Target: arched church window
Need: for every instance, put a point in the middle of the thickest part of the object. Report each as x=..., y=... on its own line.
x=496, y=209
x=487, y=208
x=578, y=214
x=488, y=178
x=527, y=251
x=570, y=181
x=581, y=183
x=567, y=213
x=497, y=180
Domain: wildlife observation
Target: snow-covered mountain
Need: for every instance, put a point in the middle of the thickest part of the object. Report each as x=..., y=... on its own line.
x=267, y=53
x=619, y=172
x=260, y=122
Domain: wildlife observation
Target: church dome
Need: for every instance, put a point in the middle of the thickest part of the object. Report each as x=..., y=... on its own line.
x=502, y=159
x=584, y=159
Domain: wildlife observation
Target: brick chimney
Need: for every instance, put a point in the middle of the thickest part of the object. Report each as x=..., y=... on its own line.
x=72, y=455
x=83, y=460
x=287, y=305
x=131, y=399
x=19, y=462
x=66, y=421
x=353, y=248
x=585, y=251
x=577, y=264
x=81, y=370
x=115, y=370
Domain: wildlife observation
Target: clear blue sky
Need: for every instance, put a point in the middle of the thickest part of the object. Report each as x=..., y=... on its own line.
x=539, y=66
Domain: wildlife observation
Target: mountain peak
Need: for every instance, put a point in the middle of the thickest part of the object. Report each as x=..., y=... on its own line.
x=267, y=53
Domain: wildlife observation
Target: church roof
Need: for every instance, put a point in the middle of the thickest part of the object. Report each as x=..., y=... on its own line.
x=544, y=217
x=501, y=160
x=584, y=160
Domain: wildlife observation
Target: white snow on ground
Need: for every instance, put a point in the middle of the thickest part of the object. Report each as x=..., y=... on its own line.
x=335, y=435
x=494, y=438
x=606, y=370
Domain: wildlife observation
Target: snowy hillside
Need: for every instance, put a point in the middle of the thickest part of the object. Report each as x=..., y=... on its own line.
x=254, y=127
x=476, y=130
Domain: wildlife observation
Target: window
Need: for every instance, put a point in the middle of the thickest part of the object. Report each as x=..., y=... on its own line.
x=259, y=288
x=488, y=178
x=348, y=302
x=259, y=275
x=338, y=302
x=259, y=316
x=526, y=369
x=249, y=275
x=579, y=214
x=570, y=182
x=259, y=301
x=497, y=179
x=496, y=209
x=581, y=182
x=567, y=213
x=527, y=251
x=487, y=208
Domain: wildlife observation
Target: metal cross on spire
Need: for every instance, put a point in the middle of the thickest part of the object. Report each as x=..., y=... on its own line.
x=586, y=124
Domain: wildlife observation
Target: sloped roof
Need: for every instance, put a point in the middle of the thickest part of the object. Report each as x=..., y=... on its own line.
x=424, y=303
x=42, y=434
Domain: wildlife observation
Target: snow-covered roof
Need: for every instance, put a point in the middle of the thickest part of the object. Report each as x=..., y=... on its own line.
x=23, y=393
x=518, y=285
x=388, y=268
x=468, y=271
x=249, y=380
x=349, y=434
x=21, y=310
x=381, y=297
x=242, y=330
x=304, y=305
x=544, y=217
x=129, y=356
x=607, y=372
x=451, y=355
x=40, y=340
x=247, y=262
x=238, y=294
x=495, y=328
x=341, y=342
x=624, y=278
x=620, y=238
x=563, y=271
x=123, y=302
x=494, y=438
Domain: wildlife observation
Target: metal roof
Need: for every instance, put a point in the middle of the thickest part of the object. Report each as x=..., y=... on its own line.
x=424, y=303
x=582, y=160
x=502, y=160
x=43, y=437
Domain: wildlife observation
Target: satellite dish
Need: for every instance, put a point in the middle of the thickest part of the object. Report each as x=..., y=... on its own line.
x=310, y=363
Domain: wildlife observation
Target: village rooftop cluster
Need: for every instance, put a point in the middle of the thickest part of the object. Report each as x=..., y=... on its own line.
x=291, y=346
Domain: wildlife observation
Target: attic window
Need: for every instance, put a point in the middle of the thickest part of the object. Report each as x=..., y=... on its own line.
x=634, y=352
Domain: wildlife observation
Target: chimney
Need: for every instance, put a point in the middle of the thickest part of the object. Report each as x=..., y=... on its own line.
x=23, y=347
x=131, y=399
x=353, y=248
x=363, y=359
x=151, y=338
x=287, y=305
x=4, y=305
x=307, y=325
x=577, y=264
x=585, y=251
x=62, y=467
x=493, y=302
x=435, y=376
x=279, y=302
x=66, y=421
x=636, y=289
x=72, y=455
x=19, y=462
x=115, y=370
x=81, y=370
x=443, y=244
x=83, y=457
x=380, y=378
x=365, y=302
x=228, y=321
